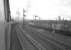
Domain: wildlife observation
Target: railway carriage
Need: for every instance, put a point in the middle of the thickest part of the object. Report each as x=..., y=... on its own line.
x=62, y=26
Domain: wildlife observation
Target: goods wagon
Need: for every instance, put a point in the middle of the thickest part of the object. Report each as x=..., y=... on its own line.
x=63, y=26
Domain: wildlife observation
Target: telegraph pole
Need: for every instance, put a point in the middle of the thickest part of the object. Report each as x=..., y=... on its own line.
x=24, y=15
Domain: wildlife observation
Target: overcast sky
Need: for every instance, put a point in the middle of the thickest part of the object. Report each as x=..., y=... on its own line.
x=45, y=9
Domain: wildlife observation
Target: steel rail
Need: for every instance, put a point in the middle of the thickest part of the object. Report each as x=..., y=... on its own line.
x=35, y=43
x=57, y=41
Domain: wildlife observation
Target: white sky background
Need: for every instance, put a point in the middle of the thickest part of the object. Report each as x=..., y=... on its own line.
x=45, y=9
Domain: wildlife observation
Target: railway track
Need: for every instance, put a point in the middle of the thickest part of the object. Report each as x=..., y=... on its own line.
x=14, y=42
x=43, y=37
x=66, y=46
x=34, y=43
x=54, y=33
x=55, y=41
x=62, y=32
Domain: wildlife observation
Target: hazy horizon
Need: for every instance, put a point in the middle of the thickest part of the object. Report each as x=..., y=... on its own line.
x=45, y=9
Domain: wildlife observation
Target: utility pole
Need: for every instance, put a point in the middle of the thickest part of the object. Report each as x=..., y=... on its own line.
x=24, y=15
x=37, y=21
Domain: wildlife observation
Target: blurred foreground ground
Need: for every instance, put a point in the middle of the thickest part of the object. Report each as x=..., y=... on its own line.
x=25, y=37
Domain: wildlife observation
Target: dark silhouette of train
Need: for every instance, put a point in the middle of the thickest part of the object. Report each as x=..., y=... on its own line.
x=63, y=26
